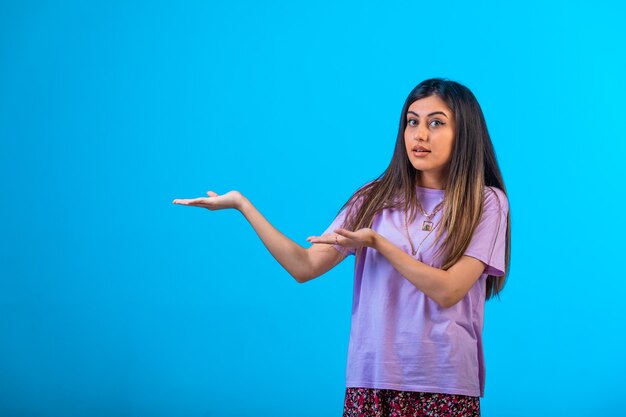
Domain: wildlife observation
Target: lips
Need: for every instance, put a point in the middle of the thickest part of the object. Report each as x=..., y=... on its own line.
x=420, y=148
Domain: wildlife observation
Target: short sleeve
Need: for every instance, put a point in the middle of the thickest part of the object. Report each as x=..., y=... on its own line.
x=336, y=224
x=338, y=221
x=488, y=244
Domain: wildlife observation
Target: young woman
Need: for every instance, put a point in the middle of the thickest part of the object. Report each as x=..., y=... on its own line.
x=431, y=239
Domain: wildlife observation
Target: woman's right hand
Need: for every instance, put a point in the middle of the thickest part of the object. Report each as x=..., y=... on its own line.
x=232, y=199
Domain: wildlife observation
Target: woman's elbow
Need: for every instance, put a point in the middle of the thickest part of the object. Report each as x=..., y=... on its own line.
x=302, y=278
x=448, y=298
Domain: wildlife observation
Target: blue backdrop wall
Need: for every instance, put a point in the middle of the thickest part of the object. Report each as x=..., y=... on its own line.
x=114, y=301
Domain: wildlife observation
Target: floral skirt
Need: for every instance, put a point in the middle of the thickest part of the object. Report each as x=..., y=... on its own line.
x=373, y=402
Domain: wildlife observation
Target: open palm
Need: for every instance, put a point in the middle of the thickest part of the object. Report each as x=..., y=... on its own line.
x=214, y=201
x=346, y=238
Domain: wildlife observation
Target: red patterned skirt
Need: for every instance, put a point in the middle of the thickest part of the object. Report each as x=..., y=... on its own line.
x=373, y=402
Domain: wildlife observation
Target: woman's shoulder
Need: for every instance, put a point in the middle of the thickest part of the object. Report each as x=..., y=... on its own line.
x=495, y=199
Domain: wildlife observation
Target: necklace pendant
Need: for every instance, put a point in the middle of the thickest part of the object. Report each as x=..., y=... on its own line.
x=427, y=226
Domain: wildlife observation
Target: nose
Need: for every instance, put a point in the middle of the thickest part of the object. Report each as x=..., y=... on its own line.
x=421, y=133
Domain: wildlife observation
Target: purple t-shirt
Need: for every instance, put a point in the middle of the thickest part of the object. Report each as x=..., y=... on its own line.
x=403, y=340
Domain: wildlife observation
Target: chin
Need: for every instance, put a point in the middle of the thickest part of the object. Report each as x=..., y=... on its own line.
x=420, y=167
x=419, y=163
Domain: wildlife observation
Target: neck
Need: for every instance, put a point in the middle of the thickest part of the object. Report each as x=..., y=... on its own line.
x=429, y=180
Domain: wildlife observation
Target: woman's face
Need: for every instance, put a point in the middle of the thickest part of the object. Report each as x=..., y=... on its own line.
x=430, y=126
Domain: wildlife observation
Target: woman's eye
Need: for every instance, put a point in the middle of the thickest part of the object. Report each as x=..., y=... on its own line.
x=434, y=122
x=440, y=123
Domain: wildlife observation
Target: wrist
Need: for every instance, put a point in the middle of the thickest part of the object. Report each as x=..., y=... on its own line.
x=242, y=203
x=374, y=239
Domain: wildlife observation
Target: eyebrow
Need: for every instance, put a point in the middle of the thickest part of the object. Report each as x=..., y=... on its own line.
x=430, y=114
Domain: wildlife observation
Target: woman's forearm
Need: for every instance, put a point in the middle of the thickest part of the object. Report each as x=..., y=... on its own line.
x=446, y=286
x=431, y=281
x=289, y=254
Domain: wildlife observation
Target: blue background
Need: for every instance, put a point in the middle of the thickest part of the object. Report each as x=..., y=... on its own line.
x=114, y=301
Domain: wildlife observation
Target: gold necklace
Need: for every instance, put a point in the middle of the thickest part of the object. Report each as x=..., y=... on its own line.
x=427, y=225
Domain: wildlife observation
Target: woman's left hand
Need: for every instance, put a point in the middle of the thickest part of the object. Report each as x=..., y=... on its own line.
x=346, y=238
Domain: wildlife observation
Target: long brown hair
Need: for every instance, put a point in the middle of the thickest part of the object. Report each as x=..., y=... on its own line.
x=473, y=166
